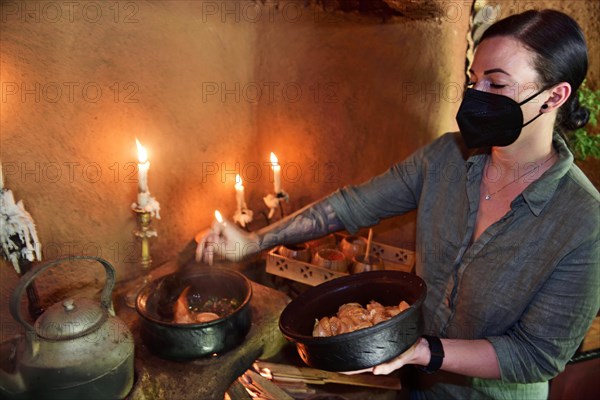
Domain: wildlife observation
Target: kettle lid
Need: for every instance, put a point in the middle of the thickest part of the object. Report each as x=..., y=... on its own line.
x=70, y=319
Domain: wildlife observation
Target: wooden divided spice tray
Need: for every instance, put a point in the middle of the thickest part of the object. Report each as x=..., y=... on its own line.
x=394, y=258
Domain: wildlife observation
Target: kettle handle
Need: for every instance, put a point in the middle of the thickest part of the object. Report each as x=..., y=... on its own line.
x=15, y=300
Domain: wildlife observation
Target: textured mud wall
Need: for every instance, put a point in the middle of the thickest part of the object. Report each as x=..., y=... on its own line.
x=82, y=80
x=210, y=88
x=371, y=92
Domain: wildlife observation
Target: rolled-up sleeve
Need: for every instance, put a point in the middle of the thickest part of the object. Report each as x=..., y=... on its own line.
x=394, y=192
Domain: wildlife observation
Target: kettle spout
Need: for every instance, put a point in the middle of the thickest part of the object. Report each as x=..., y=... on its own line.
x=12, y=385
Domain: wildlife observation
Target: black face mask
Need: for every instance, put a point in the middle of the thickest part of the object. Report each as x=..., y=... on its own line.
x=488, y=119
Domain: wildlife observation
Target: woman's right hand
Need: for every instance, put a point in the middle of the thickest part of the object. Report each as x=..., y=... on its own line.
x=416, y=354
x=225, y=241
x=228, y=241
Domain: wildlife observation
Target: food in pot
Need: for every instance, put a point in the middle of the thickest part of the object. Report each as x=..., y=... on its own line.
x=201, y=311
x=353, y=316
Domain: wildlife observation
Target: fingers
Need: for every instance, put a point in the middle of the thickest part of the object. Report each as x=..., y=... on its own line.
x=200, y=250
x=357, y=372
x=209, y=254
x=396, y=363
x=381, y=369
x=202, y=234
x=227, y=241
x=201, y=238
x=205, y=251
x=388, y=367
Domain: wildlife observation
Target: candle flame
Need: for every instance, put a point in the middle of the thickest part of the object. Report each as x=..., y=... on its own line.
x=274, y=159
x=218, y=216
x=142, y=153
x=238, y=180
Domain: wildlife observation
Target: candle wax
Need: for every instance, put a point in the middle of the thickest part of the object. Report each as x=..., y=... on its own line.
x=239, y=193
x=143, y=198
x=143, y=176
x=277, y=178
x=239, y=197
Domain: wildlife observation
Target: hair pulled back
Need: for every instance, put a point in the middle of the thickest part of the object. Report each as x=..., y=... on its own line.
x=560, y=55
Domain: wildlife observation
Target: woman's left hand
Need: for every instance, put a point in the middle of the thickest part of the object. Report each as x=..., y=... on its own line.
x=416, y=354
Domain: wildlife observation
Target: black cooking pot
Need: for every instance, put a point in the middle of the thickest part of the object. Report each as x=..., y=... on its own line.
x=363, y=348
x=177, y=341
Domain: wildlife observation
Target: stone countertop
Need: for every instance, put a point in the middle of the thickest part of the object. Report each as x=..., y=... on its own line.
x=205, y=378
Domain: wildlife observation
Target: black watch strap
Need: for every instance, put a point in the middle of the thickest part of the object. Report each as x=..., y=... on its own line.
x=437, y=354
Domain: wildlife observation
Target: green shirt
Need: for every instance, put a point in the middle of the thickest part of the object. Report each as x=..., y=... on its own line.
x=530, y=284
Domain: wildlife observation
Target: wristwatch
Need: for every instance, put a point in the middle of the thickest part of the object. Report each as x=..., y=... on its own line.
x=437, y=354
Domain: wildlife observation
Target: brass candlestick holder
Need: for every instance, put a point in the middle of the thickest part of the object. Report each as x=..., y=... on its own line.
x=144, y=233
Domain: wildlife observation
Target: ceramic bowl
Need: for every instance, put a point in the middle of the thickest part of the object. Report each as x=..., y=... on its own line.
x=363, y=348
x=331, y=259
x=360, y=264
x=300, y=252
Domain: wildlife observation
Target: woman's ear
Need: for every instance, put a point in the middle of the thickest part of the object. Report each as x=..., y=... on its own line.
x=558, y=96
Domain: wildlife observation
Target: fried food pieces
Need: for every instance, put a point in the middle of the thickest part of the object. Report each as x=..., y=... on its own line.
x=353, y=316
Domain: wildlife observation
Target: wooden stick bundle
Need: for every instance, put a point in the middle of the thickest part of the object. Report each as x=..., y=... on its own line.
x=288, y=373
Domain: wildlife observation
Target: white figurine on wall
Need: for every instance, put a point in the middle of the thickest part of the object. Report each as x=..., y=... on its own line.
x=17, y=230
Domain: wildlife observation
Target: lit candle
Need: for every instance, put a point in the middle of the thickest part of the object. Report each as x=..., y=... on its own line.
x=276, y=173
x=239, y=193
x=143, y=167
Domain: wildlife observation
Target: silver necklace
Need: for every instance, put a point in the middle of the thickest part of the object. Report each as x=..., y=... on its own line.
x=488, y=196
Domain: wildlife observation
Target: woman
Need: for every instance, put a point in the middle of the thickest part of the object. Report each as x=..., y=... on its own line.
x=508, y=246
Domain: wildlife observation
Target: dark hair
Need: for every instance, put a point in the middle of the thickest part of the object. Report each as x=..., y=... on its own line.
x=560, y=55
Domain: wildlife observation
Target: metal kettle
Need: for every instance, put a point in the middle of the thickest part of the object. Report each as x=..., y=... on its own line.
x=77, y=349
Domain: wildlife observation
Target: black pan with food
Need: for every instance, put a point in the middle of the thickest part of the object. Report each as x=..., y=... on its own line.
x=222, y=293
x=365, y=347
